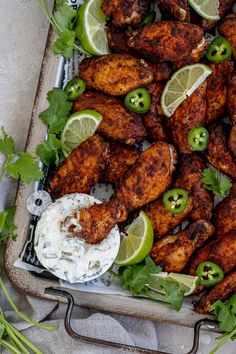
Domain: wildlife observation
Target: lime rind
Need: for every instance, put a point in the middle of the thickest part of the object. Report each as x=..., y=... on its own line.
x=188, y=283
x=208, y=9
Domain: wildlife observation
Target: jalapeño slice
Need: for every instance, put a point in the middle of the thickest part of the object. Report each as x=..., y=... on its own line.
x=219, y=50
x=149, y=19
x=75, y=88
x=175, y=200
x=209, y=273
x=198, y=138
x=138, y=100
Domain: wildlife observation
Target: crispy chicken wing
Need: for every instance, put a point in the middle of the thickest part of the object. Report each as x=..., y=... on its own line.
x=221, y=291
x=117, y=40
x=121, y=158
x=115, y=74
x=163, y=221
x=231, y=102
x=167, y=40
x=217, y=89
x=153, y=119
x=118, y=123
x=161, y=71
x=175, y=9
x=218, y=153
x=82, y=169
x=173, y=252
x=228, y=30
x=189, y=177
x=126, y=12
x=190, y=114
x=232, y=140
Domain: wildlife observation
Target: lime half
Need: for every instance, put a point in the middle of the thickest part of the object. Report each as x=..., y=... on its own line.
x=187, y=282
x=90, y=28
x=79, y=127
x=181, y=85
x=208, y=9
x=137, y=245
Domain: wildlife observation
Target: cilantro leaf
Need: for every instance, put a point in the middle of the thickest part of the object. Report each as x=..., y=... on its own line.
x=25, y=167
x=49, y=150
x=65, y=44
x=7, y=145
x=214, y=181
x=3, y=215
x=227, y=320
x=63, y=16
x=7, y=226
x=56, y=114
x=173, y=294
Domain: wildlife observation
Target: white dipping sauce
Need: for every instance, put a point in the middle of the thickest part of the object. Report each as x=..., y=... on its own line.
x=66, y=256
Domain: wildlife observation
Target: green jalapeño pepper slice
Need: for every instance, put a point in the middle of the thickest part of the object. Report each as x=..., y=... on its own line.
x=175, y=200
x=75, y=88
x=219, y=50
x=209, y=273
x=149, y=19
x=198, y=138
x=231, y=303
x=138, y=100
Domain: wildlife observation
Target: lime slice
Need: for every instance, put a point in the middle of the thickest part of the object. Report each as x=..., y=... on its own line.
x=208, y=9
x=90, y=28
x=181, y=85
x=187, y=282
x=137, y=245
x=79, y=127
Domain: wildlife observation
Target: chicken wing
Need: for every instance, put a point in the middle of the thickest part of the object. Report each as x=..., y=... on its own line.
x=167, y=40
x=115, y=74
x=190, y=114
x=82, y=169
x=217, y=89
x=161, y=71
x=218, y=153
x=121, y=158
x=231, y=102
x=221, y=291
x=190, y=178
x=175, y=9
x=153, y=119
x=173, y=252
x=126, y=12
x=228, y=30
x=118, y=123
x=163, y=221
x=117, y=40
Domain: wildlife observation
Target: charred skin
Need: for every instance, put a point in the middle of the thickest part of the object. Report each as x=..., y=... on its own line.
x=82, y=169
x=231, y=102
x=173, y=252
x=118, y=123
x=176, y=9
x=115, y=74
x=228, y=30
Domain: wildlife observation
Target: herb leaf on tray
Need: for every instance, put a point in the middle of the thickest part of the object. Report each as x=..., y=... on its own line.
x=49, y=150
x=7, y=226
x=214, y=181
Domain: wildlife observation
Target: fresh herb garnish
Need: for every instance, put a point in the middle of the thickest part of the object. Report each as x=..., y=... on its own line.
x=49, y=150
x=23, y=165
x=7, y=226
x=216, y=182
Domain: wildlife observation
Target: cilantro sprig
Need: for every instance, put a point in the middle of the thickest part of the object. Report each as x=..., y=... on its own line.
x=7, y=226
x=216, y=182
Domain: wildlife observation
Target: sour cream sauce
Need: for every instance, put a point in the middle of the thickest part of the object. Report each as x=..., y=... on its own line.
x=66, y=256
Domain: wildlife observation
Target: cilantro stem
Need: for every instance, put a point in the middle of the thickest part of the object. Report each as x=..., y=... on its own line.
x=226, y=336
x=81, y=50
x=45, y=9
x=14, y=338
x=114, y=274
x=9, y=346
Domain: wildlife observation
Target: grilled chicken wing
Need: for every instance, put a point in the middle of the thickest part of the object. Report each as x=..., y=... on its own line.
x=173, y=252
x=82, y=169
x=161, y=71
x=120, y=160
x=115, y=74
x=218, y=153
x=117, y=40
x=189, y=177
x=153, y=119
x=167, y=40
x=175, y=9
x=228, y=30
x=217, y=89
x=221, y=291
x=231, y=108
x=163, y=221
x=190, y=114
x=126, y=12
x=118, y=123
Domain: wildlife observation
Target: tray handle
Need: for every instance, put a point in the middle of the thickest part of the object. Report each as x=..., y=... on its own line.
x=104, y=343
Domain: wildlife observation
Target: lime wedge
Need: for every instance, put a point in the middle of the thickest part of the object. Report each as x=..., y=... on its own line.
x=79, y=127
x=208, y=9
x=90, y=28
x=187, y=282
x=137, y=245
x=181, y=85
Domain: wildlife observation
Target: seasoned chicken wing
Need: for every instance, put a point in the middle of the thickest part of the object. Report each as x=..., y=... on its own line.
x=228, y=30
x=175, y=9
x=221, y=291
x=167, y=40
x=163, y=221
x=232, y=140
x=122, y=157
x=154, y=119
x=231, y=102
x=173, y=252
x=217, y=89
x=190, y=114
x=82, y=169
x=115, y=74
x=190, y=178
x=117, y=40
x=126, y=12
x=161, y=71
x=218, y=153
x=118, y=123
